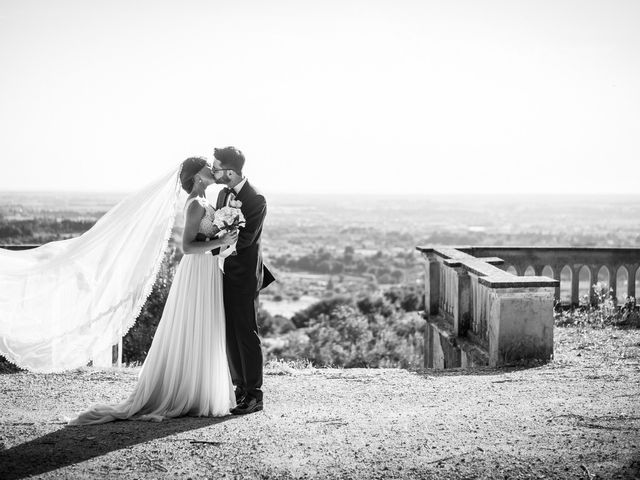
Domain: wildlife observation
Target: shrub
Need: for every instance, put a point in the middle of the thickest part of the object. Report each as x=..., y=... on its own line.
x=409, y=298
x=136, y=343
x=272, y=325
x=603, y=312
x=369, y=332
x=302, y=318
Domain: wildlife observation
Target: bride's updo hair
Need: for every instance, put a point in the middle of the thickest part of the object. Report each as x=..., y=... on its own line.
x=190, y=167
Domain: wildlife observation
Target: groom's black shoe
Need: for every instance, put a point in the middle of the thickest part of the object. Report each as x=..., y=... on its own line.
x=240, y=394
x=248, y=405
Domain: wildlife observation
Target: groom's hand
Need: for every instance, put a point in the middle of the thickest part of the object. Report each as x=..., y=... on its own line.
x=230, y=237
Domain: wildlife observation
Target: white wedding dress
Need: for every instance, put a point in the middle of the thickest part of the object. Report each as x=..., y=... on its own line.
x=186, y=370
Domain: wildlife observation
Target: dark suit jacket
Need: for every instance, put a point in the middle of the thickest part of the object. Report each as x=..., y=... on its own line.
x=246, y=271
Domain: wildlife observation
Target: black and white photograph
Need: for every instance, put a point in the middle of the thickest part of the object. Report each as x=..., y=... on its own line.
x=308, y=239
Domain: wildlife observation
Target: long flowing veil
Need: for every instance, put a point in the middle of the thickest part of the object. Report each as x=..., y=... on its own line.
x=65, y=300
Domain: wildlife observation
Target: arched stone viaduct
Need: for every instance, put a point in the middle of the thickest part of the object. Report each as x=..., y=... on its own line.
x=577, y=268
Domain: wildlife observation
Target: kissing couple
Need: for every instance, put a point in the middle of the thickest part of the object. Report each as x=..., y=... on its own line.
x=206, y=357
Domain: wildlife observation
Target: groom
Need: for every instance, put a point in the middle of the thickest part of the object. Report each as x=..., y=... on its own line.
x=244, y=276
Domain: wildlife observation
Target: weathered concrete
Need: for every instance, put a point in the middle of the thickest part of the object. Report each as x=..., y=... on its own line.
x=479, y=314
x=520, y=325
x=445, y=350
x=440, y=342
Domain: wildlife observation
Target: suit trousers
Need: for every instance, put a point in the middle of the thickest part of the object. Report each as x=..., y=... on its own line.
x=244, y=349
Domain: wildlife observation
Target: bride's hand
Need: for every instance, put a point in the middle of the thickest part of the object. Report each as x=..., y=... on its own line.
x=230, y=237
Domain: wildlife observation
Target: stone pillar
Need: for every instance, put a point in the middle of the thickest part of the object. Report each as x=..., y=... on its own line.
x=428, y=346
x=431, y=284
x=575, y=285
x=613, y=281
x=632, y=280
x=557, y=270
x=461, y=307
x=594, y=280
x=120, y=352
x=520, y=324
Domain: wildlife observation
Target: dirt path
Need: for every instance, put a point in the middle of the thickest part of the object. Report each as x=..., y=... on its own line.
x=577, y=417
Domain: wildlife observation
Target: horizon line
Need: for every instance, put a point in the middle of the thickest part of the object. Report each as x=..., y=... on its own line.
x=431, y=194
x=379, y=194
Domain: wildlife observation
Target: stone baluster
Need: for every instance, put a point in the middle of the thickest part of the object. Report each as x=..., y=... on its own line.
x=461, y=297
x=557, y=273
x=431, y=284
x=632, y=280
x=479, y=314
x=594, y=280
x=575, y=285
x=613, y=280
x=462, y=313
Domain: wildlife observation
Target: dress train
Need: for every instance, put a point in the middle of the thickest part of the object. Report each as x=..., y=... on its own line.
x=186, y=370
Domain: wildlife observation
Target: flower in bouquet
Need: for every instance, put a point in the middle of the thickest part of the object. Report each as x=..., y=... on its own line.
x=229, y=218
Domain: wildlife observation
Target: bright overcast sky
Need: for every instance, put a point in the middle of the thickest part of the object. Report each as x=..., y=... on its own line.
x=324, y=96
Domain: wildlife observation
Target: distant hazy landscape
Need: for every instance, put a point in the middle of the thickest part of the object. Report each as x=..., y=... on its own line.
x=323, y=245
x=577, y=219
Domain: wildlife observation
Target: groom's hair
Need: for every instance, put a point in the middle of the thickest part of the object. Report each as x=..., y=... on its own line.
x=230, y=157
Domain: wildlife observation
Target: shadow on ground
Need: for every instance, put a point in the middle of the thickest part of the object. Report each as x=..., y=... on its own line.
x=476, y=371
x=71, y=445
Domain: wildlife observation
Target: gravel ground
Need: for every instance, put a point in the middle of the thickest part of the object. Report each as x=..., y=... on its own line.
x=576, y=417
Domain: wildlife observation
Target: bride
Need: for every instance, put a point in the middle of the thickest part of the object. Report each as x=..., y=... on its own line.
x=66, y=300
x=186, y=370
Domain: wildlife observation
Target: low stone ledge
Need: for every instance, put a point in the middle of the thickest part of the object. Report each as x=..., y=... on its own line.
x=521, y=282
x=444, y=350
x=472, y=355
x=564, y=248
x=444, y=327
x=492, y=260
x=486, y=270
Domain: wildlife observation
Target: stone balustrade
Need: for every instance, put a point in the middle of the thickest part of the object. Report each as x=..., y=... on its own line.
x=479, y=314
x=576, y=268
x=494, y=305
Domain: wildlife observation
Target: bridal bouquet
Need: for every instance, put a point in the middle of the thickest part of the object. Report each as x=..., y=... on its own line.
x=229, y=218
